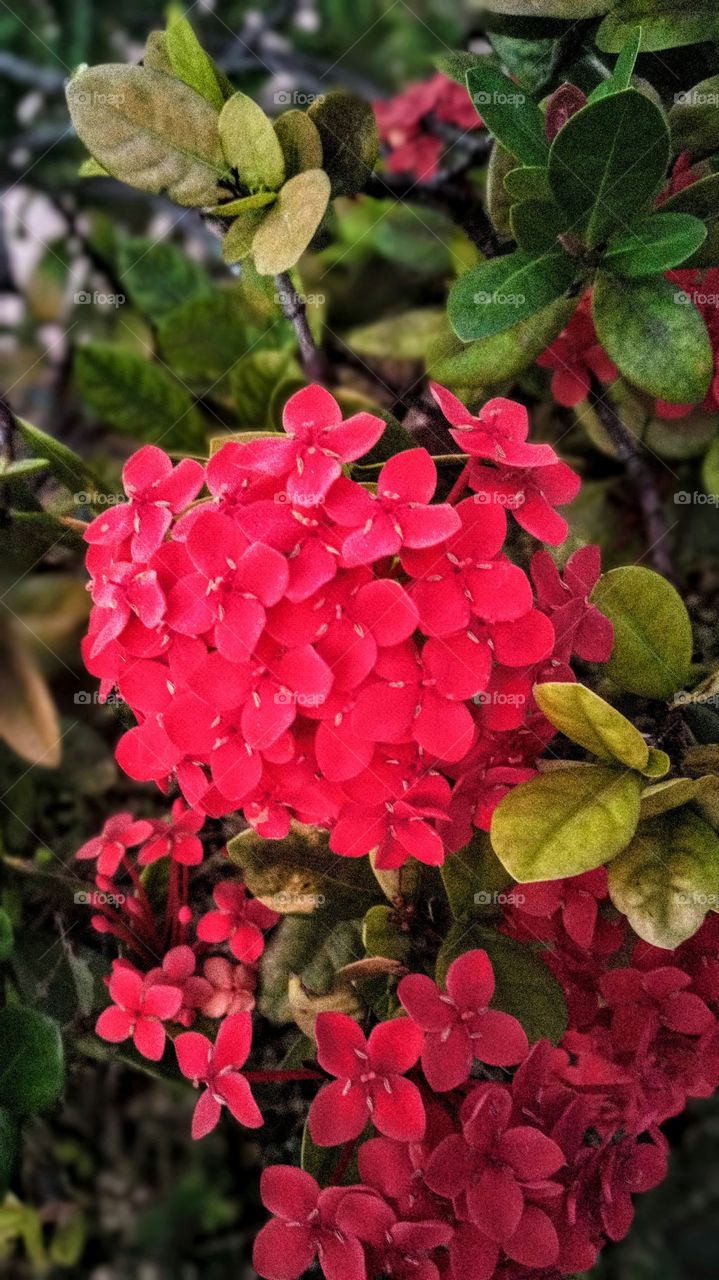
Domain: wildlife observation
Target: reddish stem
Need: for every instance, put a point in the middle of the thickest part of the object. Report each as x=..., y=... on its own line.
x=344, y=1162
x=273, y=1077
x=459, y=485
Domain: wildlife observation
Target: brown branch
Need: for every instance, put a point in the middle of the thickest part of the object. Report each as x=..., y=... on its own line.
x=642, y=477
x=294, y=309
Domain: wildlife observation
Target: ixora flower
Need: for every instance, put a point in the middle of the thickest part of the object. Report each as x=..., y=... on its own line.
x=217, y=1068
x=305, y=1227
x=121, y=832
x=139, y=1010
x=156, y=490
x=404, y=123
x=457, y=1024
x=370, y=1082
x=238, y=920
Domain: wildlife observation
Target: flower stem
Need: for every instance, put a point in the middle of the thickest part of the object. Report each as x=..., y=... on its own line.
x=295, y=310
x=459, y=485
x=278, y=1077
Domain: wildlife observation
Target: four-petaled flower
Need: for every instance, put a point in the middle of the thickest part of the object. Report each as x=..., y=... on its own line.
x=239, y=920
x=139, y=1010
x=217, y=1067
x=304, y=1227
x=121, y=832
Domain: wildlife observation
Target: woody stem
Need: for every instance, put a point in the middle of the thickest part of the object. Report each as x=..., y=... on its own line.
x=294, y=309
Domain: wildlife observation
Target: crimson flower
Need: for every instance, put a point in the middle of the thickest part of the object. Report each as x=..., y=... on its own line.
x=577, y=898
x=305, y=1227
x=217, y=1068
x=531, y=494
x=121, y=591
x=229, y=988
x=575, y=357
x=121, y=832
x=156, y=491
x=579, y=626
x=458, y=1026
x=398, y=828
x=398, y=1249
x=318, y=443
x=138, y=1010
x=370, y=1082
x=498, y=433
x=404, y=123
x=177, y=839
x=397, y=515
x=239, y=920
x=497, y=1168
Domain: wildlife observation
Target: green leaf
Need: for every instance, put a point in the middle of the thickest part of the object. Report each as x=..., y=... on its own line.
x=497, y=294
x=528, y=182
x=528, y=61
x=474, y=879
x=710, y=469
x=253, y=381
x=498, y=200
x=6, y=935
x=406, y=336
x=69, y=469
x=204, y=338
x=694, y=118
x=91, y=168
x=190, y=63
x=299, y=876
x=537, y=225
x=608, y=163
x=668, y=878
x=655, y=244
x=251, y=145
x=655, y=336
x=524, y=986
x=652, y=632
x=673, y=793
x=350, y=142
x=457, y=63
x=291, y=223
x=381, y=934
x=510, y=114
x=300, y=142
x=138, y=398
x=585, y=718
x=20, y=468
x=149, y=130
x=702, y=200
x=566, y=821
x=9, y=1135
x=664, y=25
x=240, y=235
x=245, y=204
x=490, y=362
x=159, y=275
x=621, y=77
x=155, y=54
x=33, y=1066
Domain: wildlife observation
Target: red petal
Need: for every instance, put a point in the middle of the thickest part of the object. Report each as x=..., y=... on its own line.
x=394, y=1046
x=206, y=1115
x=310, y=409
x=341, y=1044
x=385, y=608
x=237, y=1094
x=470, y=980
x=193, y=1054
x=495, y=1203
x=289, y=1192
x=149, y=1039
x=337, y=1116
x=535, y=1242
x=233, y=1042
x=114, y=1025
x=283, y=1252
x=531, y=1154
x=410, y=476
x=398, y=1110
x=443, y=728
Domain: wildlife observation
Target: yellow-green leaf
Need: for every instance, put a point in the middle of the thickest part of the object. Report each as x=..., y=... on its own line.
x=300, y=141
x=566, y=822
x=191, y=64
x=250, y=144
x=240, y=235
x=149, y=130
x=291, y=223
x=652, y=632
x=673, y=793
x=585, y=718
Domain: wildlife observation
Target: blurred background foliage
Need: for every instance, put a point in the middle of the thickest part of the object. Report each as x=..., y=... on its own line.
x=119, y=324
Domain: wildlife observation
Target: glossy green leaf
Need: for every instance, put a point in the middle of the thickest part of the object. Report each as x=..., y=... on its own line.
x=190, y=63
x=350, y=141
x=138, y=397
x=203, y=339
x=668, y=878
x=529, y=61
x=33, y=1068
x=524, y=986
x=499, y=201
x=69, y=469
x=510, y=113
x=701, y=199
x=655, y=244
x=621, y=77
x=566, y=821
x=608, y=163
x=665, y=24
x=240, y=235
x=149, y=130
x=382, y=934
x=159, y=275
x=488, y=363
x=537, y=225
x=585, y=718
x=291, y=223
x=652, y=632
x=694, y=118
x=528, y=182
x=244, y=204
x=300, y=142
x=474, y=879
x=250, y=144
x=655, y=336
x=498, y=294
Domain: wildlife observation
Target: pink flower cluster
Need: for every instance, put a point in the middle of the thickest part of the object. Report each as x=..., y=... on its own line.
x=358, y=657
x=404, y=123
x=502, y=1174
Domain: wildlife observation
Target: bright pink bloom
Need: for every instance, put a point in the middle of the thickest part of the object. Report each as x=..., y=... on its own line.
x=458, y=1026
x=239, y=920
x=156, y=491
x=498, y=433
x=575, y=357
x=138, y=1011
x=121, y=832
x=531, y=495
x=579, y=626
x=398, y=828
x=305, y=1227
x=177, y=839
x=370, y=1082
x=404, y=123
x=217, y=1067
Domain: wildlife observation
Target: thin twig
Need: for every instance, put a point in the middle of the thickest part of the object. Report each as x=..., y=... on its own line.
x=642, y=477
x=295, y=310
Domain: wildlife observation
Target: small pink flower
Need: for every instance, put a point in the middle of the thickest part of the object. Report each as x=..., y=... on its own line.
x=217, y=1067
x=177, y=839
x=139, y=1011
x=239, y=920
x=232, y=988
x=305, y=1227
x=121, y=832
x=156, y=491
